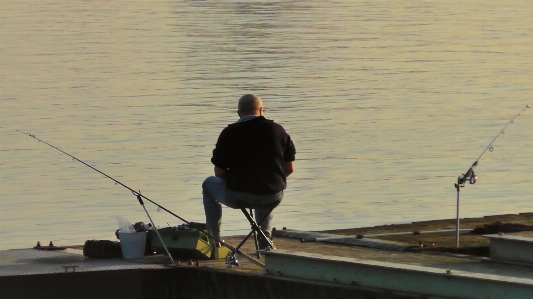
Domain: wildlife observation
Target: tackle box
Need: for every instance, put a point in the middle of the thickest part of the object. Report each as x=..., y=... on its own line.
x=184, y=241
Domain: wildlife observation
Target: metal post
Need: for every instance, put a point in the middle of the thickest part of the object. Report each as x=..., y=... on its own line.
x=155, y=227
x=457, y=220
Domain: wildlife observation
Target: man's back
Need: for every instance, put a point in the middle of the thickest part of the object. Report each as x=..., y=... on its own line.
x=254, y=152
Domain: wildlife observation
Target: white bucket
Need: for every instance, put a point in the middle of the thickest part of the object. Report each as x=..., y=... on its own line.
x=132, y=244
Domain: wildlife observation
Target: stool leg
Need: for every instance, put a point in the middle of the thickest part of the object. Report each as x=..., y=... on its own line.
x=255, y=236
x=252, y=223
x=261, y=231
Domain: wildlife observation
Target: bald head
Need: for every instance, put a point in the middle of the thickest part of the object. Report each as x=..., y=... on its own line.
x=250, y=104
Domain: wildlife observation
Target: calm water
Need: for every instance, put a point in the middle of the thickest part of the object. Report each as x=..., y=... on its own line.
x=387, y=103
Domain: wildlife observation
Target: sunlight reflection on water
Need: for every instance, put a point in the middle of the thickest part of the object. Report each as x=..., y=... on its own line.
x=387, y=104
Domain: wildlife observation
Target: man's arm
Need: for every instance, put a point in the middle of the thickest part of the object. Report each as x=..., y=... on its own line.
x=220, y=173
x=289, y=168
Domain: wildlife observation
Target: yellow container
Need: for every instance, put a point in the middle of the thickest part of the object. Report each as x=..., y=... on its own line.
x=183, y=243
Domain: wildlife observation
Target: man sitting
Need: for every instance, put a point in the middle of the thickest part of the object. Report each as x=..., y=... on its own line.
x=253, y=158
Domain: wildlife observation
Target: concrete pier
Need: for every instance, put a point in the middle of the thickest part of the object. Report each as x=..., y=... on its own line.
x=426, y=281
x=397, y=266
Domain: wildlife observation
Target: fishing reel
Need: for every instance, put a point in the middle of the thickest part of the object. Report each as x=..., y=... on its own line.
x=231, y=260
x=471, y=177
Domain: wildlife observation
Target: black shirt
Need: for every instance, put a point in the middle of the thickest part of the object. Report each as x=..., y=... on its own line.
x=254, y=153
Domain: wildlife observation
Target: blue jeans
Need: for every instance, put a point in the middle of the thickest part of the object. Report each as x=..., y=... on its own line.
x=215, y=192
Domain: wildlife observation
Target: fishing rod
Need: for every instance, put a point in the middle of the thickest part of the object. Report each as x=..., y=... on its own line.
x=136, y=193
x=232, y=260
x=361, y=236
x=471, y=176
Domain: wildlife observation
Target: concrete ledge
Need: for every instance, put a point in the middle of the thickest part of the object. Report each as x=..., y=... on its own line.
x=425, y=281
x=511, y=248
x=178, y=283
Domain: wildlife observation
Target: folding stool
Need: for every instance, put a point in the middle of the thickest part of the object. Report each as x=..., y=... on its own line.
x=255, y=226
